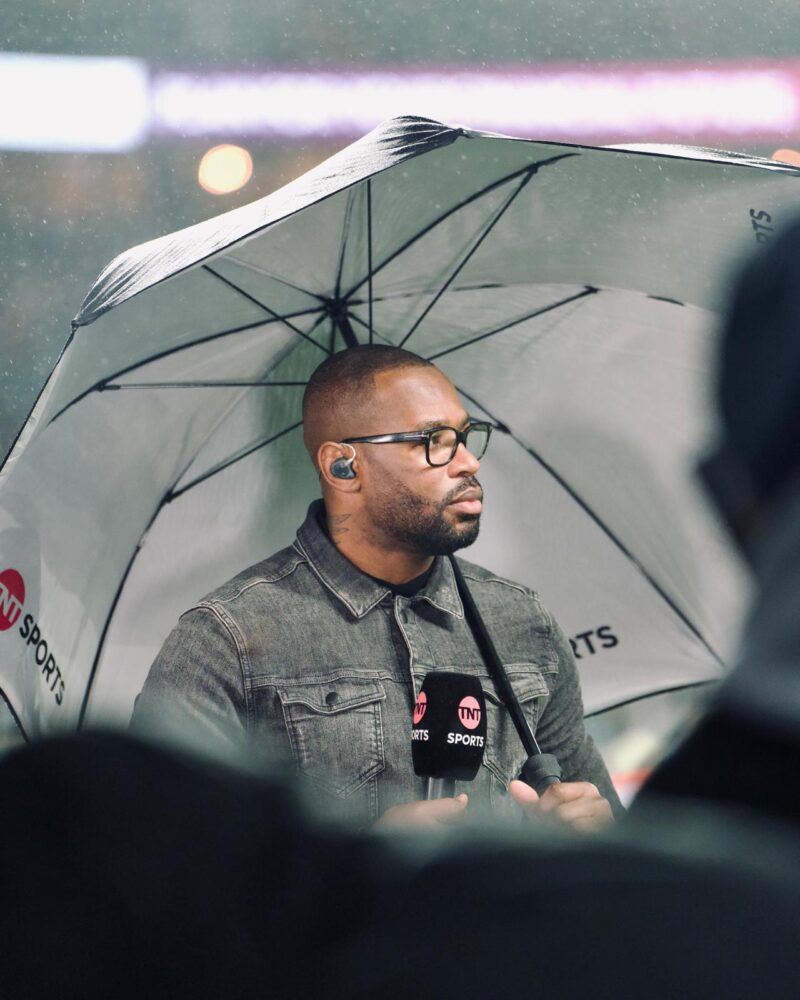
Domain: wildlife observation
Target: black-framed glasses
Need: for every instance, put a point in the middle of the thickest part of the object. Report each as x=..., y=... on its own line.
x=441, y=443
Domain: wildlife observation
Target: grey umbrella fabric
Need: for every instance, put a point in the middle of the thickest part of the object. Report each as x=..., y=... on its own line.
x=569, y=293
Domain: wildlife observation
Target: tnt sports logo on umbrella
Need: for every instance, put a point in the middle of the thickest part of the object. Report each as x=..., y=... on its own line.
x=12, y=597
x=469, y=712
x=12, y=600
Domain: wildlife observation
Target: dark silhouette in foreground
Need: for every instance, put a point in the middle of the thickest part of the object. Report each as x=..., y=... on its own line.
x=746, y=751
x=132, y=871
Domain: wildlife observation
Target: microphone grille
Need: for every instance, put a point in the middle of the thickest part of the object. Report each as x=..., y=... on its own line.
x=448, y=735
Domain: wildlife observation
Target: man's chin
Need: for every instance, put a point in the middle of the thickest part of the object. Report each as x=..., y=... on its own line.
x=465, y=522
x=466, y=531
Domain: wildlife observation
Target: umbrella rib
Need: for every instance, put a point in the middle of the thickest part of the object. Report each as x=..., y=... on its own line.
x=247, y=266
x=229, y=384
x=112, y=609
x=160, y=355
x=348, y=211
x=493, y=222
x=110, y=617
x=369, y=253
x=266, y=308
x=364, y=323
x=14, y=715
x=588, y=290
x=531, y=168
x=395, y=296
x=650, y=694
x=323, y=315
x=174, y=494
x=167, y=498
x=171, y=493
x=605, y=529
x=39, y=395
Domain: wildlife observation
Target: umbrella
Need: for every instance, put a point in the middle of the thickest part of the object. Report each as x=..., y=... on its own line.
x=568, y=292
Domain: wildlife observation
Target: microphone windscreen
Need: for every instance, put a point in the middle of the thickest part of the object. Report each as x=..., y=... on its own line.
x=448, y=734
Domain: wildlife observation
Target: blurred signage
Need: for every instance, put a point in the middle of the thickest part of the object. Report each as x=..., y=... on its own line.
x=93, y=104
x=660, y=103
x=73, y=103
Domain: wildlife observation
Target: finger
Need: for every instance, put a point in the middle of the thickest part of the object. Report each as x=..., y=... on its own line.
x=568, y=791
x=586, y=814
x=432, y=814
x=448, y=811
x=593, y=824
x=522, y=794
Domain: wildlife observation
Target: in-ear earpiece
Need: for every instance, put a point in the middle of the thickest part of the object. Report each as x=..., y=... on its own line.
x=342, y=468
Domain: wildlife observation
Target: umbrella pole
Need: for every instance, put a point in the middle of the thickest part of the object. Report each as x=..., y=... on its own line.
x=540, y=769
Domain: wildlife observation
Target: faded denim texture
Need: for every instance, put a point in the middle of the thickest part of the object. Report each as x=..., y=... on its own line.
x=306, y=652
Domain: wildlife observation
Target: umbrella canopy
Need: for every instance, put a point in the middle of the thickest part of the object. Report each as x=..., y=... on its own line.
x=568, y=292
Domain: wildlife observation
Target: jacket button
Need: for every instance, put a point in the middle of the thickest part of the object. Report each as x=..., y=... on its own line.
x=331, y=698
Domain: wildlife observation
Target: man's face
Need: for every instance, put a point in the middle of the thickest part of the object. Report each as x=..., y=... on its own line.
x=431, y=510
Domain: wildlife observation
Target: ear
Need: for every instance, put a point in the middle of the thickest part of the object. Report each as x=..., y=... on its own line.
x=330, y=452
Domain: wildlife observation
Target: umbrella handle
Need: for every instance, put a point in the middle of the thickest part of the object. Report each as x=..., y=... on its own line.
x=540, y=771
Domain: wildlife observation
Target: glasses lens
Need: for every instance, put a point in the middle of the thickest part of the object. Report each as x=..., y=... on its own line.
x=478, y=439
x=442, y=446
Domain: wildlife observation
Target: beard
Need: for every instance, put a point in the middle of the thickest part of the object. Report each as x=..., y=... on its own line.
x=422, y=525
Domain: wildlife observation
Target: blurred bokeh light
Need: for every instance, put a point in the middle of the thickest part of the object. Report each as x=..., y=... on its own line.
x=224, y=169
x=787, y=156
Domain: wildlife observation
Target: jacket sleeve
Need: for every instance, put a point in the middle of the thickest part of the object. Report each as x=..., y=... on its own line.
x=195, y=690
x=561, y=730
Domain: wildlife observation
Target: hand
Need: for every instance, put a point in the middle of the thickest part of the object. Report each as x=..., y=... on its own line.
x=430, y=815
x=576, y=804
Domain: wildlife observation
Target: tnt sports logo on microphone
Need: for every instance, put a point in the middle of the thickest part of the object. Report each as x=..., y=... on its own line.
x=420, y=708
x=12, y=597
x=469, y=712
x=469, y=715
x=12, y=601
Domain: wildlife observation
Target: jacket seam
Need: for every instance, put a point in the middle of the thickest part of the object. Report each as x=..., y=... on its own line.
x=237, y=638
x=299, y=546
x=503, y=583
x=534, y=597
x=249, y=584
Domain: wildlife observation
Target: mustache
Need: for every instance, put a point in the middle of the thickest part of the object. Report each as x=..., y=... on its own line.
x=466, y=484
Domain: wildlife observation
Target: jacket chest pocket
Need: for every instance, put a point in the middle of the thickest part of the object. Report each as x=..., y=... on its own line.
x=335, y=730
x=505, y=753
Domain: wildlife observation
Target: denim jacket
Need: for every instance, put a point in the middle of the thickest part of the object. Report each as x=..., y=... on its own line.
x=306, y=652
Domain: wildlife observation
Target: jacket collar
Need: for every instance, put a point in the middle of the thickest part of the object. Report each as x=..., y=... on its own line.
x=357, y=591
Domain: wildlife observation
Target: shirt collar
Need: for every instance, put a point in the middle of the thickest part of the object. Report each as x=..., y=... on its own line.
x=357, y=591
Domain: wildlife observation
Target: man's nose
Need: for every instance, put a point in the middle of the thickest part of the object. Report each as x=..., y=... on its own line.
x=463, y=463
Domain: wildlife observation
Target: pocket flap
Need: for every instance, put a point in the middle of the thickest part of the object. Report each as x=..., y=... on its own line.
x=333, y=694
x=526, y=681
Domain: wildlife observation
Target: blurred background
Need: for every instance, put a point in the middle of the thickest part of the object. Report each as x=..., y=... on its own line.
x=120, y=122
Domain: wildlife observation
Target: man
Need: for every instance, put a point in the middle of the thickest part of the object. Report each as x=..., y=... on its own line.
x=322, y=648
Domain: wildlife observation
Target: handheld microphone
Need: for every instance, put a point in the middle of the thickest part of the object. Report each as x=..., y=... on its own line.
x=448, y=735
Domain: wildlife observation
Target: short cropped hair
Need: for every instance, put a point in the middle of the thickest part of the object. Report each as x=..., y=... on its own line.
x=352, y=372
